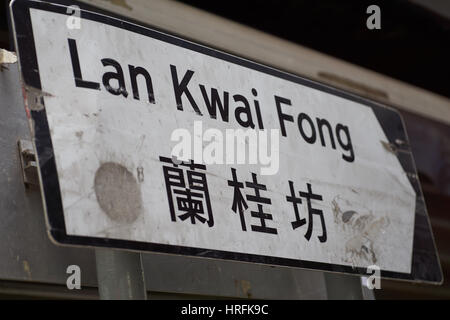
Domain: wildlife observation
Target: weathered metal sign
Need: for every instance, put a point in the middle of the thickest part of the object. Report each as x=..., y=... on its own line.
x=146, y=141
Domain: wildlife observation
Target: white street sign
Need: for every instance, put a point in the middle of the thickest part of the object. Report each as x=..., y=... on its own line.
x=321, y=186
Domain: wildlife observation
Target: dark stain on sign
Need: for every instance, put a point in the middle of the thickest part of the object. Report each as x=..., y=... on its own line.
x=118, y=192
x=347, y=215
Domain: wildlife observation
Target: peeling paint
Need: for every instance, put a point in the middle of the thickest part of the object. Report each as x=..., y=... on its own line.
x=6, y=57
x=361, y=246
x=389, y=147
x=34, y=98
x=364, y=229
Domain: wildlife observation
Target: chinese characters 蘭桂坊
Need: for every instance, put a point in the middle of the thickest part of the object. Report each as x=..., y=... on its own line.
x=189, y=199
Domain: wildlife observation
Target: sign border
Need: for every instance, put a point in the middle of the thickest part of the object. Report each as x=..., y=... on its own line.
x=425, y=261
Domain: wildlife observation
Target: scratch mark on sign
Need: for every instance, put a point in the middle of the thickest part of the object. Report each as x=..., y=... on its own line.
x=140, y=174
x=336, y=210
x=118, y=192
x=389, y=147
x=362, y=245
x=204, y=252
x=364, y=229
x=141, y=143
x=34, y=98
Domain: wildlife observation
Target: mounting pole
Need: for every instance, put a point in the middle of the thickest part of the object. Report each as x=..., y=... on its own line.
x=343, y=287
x=120, y=275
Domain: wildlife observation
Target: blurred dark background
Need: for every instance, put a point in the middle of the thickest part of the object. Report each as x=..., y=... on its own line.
x=413, y=44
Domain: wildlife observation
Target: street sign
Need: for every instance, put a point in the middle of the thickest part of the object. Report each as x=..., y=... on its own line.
x=149, y=142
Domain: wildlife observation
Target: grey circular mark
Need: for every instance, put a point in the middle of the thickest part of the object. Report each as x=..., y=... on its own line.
x=118, y=192
x=347, y=215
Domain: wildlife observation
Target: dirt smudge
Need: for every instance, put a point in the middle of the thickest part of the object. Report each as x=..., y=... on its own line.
x=118, y=192
x=363, y=227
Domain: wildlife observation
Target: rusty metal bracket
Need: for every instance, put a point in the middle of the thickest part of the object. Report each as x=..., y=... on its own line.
x=28, y=163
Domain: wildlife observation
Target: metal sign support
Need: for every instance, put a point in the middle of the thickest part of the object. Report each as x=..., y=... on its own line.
x=120, y=275
x=343, y=287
